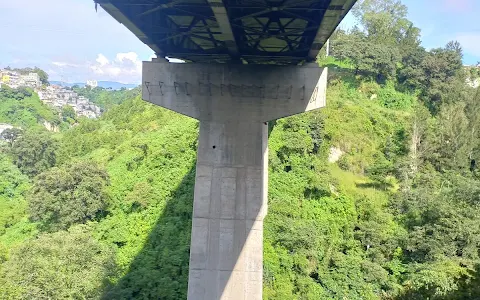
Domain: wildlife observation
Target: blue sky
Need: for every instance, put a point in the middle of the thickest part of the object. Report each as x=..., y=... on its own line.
x=72, y=42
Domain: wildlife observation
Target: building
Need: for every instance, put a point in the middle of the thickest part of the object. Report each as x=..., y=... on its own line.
x=6, y=78
x=92, y=83
x=87, y=113
x=31, y=80
x=12, y=79
x=66, y=95
x=15, y=80
x=53, y=95
x=42, y=95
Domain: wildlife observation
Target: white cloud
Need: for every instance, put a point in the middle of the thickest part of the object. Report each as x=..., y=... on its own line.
x=126, y=67
x=102, y=60
x=470, y=42
x=68, y=36
x=132, y=56
x=63, y=64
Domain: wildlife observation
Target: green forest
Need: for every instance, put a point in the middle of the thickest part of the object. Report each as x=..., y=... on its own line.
x=376, y=196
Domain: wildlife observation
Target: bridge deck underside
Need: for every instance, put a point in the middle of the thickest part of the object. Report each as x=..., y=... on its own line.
x=252, y=31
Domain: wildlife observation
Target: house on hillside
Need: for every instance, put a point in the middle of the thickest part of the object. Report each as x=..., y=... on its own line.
x=12, y=79
x=31, y=80
x=66, y=95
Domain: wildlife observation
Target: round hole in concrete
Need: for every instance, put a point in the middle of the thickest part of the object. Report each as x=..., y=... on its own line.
x=214, y=147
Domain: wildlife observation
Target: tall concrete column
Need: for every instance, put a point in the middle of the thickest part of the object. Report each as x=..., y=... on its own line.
x=234, y=104
x=230, y=203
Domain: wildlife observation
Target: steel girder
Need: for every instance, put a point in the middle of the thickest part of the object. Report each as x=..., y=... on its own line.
x=248, y=31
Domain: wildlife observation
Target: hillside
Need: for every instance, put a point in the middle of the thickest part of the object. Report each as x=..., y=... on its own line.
x=23, y=108
x=333, y=230
x=106, y=98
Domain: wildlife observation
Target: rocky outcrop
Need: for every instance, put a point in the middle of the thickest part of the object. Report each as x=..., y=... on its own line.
x=51, y=127
x=335, y=154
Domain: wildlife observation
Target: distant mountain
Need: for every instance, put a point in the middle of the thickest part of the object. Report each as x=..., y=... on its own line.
x=104, y=84
x=66, y=84
x=116, y=85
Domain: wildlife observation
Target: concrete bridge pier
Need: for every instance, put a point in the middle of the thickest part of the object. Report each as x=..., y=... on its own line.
x=234, y=104
x=229, y=207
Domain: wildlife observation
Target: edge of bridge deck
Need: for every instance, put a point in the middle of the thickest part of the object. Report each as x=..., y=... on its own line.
x=334, y=12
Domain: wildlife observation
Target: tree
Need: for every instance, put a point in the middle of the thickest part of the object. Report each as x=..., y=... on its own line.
x=17, y=94
x=375, y=60
x=13, y=186
x=441, y=216
x=439, y=78
x=74, y=193
x=386, y=37
x=348, y=46
x=411, y=73
x=385, y=22
x=437, y=74
x=68, y=114
x=63, y=265
x=42, y=74
x=34, y=152
x=456, y=138
x=456, y=47
x=472, y=111
x=11, y=135
x=421, y=139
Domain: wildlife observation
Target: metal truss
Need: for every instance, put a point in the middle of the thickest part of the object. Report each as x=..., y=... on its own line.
x=248, y=31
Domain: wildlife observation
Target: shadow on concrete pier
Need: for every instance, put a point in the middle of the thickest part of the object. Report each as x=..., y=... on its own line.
x=161, y=268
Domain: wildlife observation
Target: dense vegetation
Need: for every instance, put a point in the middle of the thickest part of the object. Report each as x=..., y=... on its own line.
x=106, y=98
x=22, y=107
x=102, y=210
